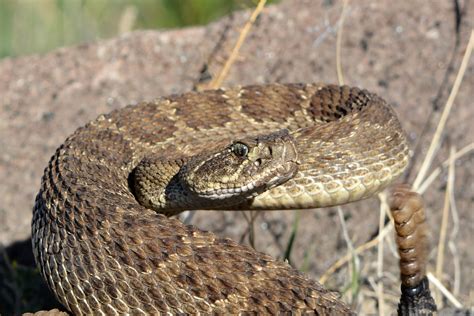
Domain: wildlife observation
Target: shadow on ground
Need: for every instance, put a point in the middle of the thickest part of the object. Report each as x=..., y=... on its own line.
x=21, y=287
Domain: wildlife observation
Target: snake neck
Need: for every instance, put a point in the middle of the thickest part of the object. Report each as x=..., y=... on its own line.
x=157, y=185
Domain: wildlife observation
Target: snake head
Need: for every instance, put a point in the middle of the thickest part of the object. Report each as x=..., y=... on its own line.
x=243, y=169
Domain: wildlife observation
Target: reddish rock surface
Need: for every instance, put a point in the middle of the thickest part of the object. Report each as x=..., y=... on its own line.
x=401, y=50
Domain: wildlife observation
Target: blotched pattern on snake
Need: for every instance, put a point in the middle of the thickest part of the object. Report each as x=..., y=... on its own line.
x=103, y=248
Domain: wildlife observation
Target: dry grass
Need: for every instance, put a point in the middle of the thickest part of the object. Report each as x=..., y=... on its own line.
x=340, y=75
x=217, y=81
x=383, y=295
x=421, y=176
x=421, y=184
x=444, y=224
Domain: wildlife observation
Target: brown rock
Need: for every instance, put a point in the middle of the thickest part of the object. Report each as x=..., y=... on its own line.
x=398, y=49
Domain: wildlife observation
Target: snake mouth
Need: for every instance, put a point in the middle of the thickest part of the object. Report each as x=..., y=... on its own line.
x=273, y=177
x=226, y=193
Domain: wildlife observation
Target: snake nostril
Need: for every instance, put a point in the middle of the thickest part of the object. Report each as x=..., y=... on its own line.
x=258, y=162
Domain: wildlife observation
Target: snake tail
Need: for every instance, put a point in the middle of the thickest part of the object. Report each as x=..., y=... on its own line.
x=411, y=235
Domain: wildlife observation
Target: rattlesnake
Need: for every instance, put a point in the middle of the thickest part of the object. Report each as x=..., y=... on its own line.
x=257, y=147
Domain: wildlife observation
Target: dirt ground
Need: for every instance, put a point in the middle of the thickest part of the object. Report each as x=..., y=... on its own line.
x=406, y=51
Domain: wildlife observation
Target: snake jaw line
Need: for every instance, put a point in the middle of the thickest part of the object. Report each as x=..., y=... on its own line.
x=241, y=170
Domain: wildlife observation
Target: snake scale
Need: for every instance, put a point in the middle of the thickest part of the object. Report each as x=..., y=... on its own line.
x=277, y=146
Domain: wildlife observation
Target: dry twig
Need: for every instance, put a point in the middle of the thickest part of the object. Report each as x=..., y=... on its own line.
x=340, y=77
x=217, y=82
x=444, y=116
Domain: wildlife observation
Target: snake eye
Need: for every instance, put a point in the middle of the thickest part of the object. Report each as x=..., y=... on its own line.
x=240, y=149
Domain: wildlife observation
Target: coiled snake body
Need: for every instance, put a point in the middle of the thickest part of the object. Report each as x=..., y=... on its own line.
x=258, y=147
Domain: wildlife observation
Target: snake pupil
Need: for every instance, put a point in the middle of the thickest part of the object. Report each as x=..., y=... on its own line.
x=240, y=149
